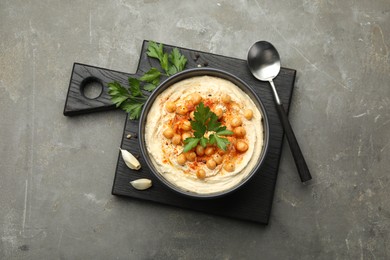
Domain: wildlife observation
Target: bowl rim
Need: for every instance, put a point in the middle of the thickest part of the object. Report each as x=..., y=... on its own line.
x=189, y=73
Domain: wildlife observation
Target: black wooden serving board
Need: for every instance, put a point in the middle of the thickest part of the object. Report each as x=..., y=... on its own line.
x=253, y=201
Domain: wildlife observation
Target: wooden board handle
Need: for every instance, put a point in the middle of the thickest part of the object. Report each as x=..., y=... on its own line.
x=77, y=102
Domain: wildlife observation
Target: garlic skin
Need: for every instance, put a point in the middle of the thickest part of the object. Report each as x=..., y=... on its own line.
x=141, y=184
x=130, y=160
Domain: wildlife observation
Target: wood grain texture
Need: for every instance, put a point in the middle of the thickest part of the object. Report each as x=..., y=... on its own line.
x=253, y=202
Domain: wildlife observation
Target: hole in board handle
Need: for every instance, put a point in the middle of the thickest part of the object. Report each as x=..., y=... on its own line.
x=91, y=87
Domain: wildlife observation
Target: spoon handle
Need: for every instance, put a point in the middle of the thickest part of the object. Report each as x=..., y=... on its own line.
x=300, y=162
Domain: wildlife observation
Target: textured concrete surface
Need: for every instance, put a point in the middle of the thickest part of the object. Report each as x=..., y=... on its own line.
x=56, y=172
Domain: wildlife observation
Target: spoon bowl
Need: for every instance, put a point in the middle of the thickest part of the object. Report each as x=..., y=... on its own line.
x=264, y=63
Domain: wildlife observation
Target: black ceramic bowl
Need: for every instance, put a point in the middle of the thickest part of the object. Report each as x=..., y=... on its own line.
x=189, y=74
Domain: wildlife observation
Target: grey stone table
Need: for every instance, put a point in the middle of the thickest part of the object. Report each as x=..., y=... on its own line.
x=56, y=172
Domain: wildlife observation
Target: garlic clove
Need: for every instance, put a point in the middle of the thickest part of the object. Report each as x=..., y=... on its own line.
x=141, y=184
x=130, y=160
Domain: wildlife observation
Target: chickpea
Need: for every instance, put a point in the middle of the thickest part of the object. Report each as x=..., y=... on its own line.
x=190, y=106
x=219, y=112
x=209, y=151
x=241, y=146
x=170, y=106
x=226, y=98
x=181, y=110
x=186, y=126
x=190, y=156
x=229, y=167
x=201, y=174
x=196, y=98
x=236, y=121
x=217, y=158
x=199, y=150
x=168, y=133
x=181, y=159
x=221, y=152
x=248, y=114
x=239, y=131
x=211, y=164
x=192, y=115
x=176, y=139
x=185, y=135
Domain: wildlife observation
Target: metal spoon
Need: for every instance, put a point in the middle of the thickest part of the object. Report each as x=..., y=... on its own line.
x=264, y=63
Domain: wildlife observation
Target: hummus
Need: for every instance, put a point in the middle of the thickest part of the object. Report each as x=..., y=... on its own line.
x=174, y=109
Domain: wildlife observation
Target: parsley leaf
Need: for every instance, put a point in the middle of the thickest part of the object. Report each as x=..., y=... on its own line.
x=129, y=99
x=118, y=93
x=150, y=76
x=155, y=50
x=212, y=139
x=191, y=143
x=203, y=141
x=206, y=120
x=178, y=61
x=199, y=128
x=135, y=87
x=221, y=142
x=165, y=63
x=171, y=63
x=223, y=131
x=213, y=124
x=172, y=70
x=202, y=113
x=133, y=109
x=149, y=87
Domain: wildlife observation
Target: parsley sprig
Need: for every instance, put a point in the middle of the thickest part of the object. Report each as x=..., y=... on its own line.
x=206, y=121
x=170, y=63
x=131, y=99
